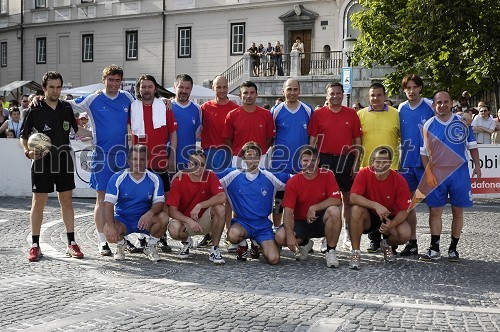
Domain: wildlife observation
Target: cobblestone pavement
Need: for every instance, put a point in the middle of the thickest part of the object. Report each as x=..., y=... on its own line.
x=100, y=294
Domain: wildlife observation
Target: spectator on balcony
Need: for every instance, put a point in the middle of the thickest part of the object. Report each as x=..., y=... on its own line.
x=278, y=53
x=271, y=60
x=254, y=54
x=299, y=46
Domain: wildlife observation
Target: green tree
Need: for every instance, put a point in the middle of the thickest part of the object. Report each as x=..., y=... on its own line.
x=453, y=44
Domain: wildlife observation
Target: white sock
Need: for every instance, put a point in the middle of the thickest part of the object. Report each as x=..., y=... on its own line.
x=101, y=237
x=153, y=241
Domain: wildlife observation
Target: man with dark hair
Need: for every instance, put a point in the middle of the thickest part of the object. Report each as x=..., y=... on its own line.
x=54, y=118
x=336, y=131
x=251, y=191
x=134, y=203
x=380, y=198
x=188, y=117
x=196, y=206
x=413, y=113
x=153, y=124
x=311, y=203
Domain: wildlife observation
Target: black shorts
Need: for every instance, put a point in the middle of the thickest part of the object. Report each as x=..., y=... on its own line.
x=164, y=178
x=55, y=169
x=304, y=230
x=278, y=202
x=375, y=222
x=341, y=166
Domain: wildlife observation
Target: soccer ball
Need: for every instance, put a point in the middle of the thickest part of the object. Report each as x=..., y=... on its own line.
x=39, y=142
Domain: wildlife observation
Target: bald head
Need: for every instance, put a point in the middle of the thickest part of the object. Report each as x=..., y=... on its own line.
x=220, y=87
x=291, y=82
x=442, y=105
x=291, y=91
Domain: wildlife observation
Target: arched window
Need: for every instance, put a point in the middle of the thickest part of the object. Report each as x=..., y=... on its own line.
x=352, y=7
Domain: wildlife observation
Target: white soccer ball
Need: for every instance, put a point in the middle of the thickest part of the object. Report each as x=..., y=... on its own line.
x=39, y=142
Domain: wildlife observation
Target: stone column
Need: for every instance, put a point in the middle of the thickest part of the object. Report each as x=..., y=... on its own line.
x=294, y=63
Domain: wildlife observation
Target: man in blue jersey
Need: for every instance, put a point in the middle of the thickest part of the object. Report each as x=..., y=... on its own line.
x=251, y=194
x=291, y=119
x=443, y=151
x=413, y=113
x=134, y=203
x=188, y=116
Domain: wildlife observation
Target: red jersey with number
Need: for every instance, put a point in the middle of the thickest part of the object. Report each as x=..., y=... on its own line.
x=243, y=127
x=334, y=131
x=156, y=139
x=393, y=193
x=213, y=120
x=301, y=193
x=185, y=194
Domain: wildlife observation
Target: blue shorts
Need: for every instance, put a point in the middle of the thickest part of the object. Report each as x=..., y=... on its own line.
x=103, y=166
x=218, y=159
x=258, y=230
x=131, y=225
x=457, y=186
x=412, y=175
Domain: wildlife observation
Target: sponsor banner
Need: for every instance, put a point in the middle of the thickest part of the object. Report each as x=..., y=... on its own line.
x=489, y=160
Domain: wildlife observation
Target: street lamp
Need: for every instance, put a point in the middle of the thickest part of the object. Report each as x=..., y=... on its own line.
x=349, y=43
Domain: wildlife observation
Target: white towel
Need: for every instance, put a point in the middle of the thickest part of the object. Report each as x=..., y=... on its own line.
x=137, y=116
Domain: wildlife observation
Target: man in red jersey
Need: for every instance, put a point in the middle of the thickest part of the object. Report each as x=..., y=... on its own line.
x=311, y=209
x=380, y=199
x=336, y=131
x=247, y=123
x=196, y=206
x=152, y=124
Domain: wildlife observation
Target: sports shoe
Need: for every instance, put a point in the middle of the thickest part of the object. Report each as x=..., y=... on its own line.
x=104, y=249
x=331, y=258
x=152, y=252
x=389, y=256
x=430, y=255
x=374, y=247
x=241, y=253
x=355, y=260
x=302, y=252
x=232, y=247
x=163, y=245
x=141, y=243
x=35, y=253
x=184, y=252
x=395, y=250
x=207, y=241
x=120, y=251
x=74, y=251
x=323, y=246
x=453, y=256
x=409, y=250
x=131, y=248
x=215, y=256
x=254, y=251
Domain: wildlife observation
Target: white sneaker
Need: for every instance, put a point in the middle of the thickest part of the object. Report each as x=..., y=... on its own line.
x=323, y=247
x=215, y=256
x=152, y=252
x=355, y=260
x=331, y=258
x=232, y=247
x=389, y=256
x=302, y=252
x=184, y=252
x=120, y=251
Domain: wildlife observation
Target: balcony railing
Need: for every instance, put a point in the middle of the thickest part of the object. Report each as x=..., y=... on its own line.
x=234, y=73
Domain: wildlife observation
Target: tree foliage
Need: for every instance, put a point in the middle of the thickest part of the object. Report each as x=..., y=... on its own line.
x=453, y=44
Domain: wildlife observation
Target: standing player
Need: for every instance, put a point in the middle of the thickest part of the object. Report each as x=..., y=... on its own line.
x=54, y=118
x=336, y=130
x=134, y=204
x=413, y=113
x=312, y=201
x=251, y=191
x=109, y=114
x=444, y=158
x=291, y=119
x=188, y=117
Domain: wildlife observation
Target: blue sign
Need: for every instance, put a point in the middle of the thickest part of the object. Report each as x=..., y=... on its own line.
x=347, y=79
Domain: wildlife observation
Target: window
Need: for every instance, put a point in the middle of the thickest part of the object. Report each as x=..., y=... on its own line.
x=3, y=54
x=237, y=38
x=87, y=1
x=184, y=46
x=87, y=48
x=41, y=50
x=352, y=8
x=40, y=3
x=132, y=45
x=4, y=6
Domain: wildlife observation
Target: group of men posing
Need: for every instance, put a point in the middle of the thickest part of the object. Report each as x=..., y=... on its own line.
x=248, y=157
